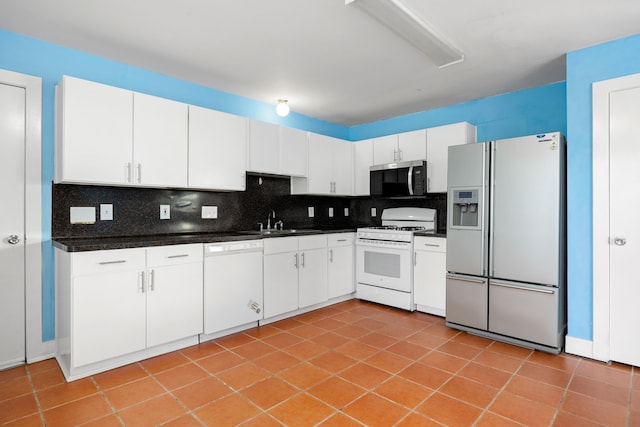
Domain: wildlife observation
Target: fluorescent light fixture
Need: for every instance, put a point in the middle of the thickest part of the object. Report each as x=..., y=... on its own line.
x=411, y=27
x=282, y=108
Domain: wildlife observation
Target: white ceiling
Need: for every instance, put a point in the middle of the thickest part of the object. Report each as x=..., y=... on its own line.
x=331, y=60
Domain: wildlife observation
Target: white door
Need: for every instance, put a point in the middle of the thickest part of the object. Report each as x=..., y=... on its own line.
x=12, y=280
x=624, y=175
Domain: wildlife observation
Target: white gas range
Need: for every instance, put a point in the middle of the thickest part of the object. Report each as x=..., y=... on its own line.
x=384, y=261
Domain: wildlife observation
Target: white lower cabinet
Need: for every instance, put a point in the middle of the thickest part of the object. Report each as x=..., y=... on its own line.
x=430, y=274
x=340, y=264
x=118, y=306
x=295, y=273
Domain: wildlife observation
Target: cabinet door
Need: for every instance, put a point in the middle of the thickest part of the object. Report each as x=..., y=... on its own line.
x=429, y=276
x=280, y=283
x=234, y=282
x=174, y=302
x=108, y=316
x=217, y=150
x=159, y=141
x=340, y=277
x=362, y=160
x=94, y=136
x=413, y=145
x=263, y=147
x=342, y=167
x=312, y=277
x=385, y=149
x=293, y=152
x=438, y=141
x=320, y=160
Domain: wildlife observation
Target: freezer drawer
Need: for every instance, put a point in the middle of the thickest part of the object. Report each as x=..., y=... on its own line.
x=466, y=301
x=524, y=311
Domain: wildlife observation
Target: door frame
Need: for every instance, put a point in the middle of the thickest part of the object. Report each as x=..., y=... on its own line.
x=601, y=201
x=35, y=348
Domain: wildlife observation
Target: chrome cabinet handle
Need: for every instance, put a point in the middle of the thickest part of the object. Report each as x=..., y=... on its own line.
x=330, y=255
x=14, y=239
x=619, y=241
x=178, y=256
x=120, y=261
x=139, y=173
x=255, y=306
x=141, y=282
x=127, y=172
x=302, y=259
x=151, y=280
x=295, y=257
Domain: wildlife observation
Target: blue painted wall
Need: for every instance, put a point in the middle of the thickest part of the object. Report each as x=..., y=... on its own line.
x=584, y=67
x=519, y=113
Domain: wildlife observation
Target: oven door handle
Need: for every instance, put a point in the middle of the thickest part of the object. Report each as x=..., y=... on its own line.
x=410, y=180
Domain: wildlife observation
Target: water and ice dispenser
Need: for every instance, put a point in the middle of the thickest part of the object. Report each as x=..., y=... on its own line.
x=465, y=207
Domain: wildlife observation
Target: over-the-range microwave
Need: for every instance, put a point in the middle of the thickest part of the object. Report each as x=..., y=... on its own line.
x=399, y=179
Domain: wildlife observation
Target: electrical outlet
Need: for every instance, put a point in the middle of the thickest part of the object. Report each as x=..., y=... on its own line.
x=374, y=212
x=330, y=212
x=209, y=212
x=346, y=211
x=165, y=211
x=312, y=212
x=106, y=212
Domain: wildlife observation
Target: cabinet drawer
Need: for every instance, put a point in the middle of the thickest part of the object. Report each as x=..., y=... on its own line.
x=467, y=301
x=340, y=239
x=312, y=242
x=174, y=254
x=433, y=244
x=111, y=261
x=280, y=244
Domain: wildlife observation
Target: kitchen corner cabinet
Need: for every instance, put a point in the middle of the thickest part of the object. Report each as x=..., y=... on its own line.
x=400, y=147
x=330, y=168
x=114, y=305
x=340, y=264
x=362, y=161
x=295, y=273
x=429, y=274
x=438, y=141
x=108, y=135
x=217, y=150
x=276, y=149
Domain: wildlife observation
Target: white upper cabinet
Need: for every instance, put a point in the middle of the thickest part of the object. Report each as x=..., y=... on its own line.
x=400, y=147
x=263, y=147
x=108, y=135
x=276, y=149
x=293, y=151
x=330, y=167
x=438, y=141
x=159, y=141
x=217, y=150
x=362, y=161
x=94, y=138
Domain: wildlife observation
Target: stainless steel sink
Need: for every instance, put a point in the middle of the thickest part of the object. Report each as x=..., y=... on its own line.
x=280, y=232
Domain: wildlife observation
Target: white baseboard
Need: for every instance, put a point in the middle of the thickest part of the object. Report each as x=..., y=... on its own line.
x=578, y=346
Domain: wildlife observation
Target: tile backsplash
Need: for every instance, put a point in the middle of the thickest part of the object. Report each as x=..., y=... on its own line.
x=136, y=211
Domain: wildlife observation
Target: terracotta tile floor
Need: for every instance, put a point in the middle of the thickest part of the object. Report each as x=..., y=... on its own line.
x=351, y=364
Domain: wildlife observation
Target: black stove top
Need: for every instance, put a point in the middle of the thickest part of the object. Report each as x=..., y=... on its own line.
x=396, y=227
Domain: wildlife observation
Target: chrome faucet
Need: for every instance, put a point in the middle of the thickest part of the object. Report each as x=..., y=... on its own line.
x=272, y=214
x=279, y=223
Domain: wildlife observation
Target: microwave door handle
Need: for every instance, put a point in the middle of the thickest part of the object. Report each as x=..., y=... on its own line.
x=410, y=180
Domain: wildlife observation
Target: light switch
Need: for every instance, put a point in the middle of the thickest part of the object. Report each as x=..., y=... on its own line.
x=165, y=211
x=312, y=212
x=330, y=212
x=373, y=212
x=209, y=212
x=106, y=212
x=346, y=211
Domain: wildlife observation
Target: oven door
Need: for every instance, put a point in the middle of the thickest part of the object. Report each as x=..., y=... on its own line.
x=384, y=264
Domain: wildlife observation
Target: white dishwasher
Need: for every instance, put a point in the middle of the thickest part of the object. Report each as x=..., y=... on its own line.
x=232, y=284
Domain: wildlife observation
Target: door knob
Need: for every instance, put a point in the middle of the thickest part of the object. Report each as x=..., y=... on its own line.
x=620, y=241
x=14, y=239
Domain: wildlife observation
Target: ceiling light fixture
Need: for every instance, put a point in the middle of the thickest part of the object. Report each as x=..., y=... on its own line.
x=282, y=108
x=411, y=27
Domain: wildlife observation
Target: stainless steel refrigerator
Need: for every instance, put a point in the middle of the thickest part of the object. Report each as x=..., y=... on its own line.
x=506, y=240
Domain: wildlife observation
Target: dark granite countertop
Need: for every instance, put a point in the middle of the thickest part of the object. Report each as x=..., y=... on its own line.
x=83, y=244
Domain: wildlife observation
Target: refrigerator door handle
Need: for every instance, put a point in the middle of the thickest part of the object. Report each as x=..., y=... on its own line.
x=410, y=180
x=491, y=187
x=522, y=288
x=466, y=278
